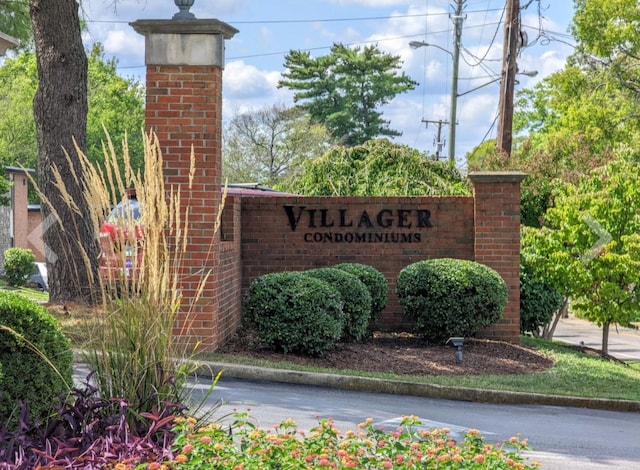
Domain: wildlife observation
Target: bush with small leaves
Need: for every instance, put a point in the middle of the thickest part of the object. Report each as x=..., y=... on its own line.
x=539, y=300
x=293, y=312
x=18, y=265
x=356, y=301
x=451, y=297
x=35, y=355
x=375, y=282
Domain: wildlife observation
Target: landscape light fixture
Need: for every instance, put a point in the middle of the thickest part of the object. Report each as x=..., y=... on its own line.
x=457, y=343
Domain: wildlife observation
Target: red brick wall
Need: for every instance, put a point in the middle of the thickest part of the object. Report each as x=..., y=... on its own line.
x=183, y=107
x=229, y=271
x=20, y=213
x=34, y=238
x=497, y=241
x=269, y=244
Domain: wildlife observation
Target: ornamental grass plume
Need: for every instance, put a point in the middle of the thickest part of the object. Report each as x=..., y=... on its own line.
x=133, y=344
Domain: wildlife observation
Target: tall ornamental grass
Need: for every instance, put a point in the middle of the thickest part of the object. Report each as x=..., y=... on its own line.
x=133, y=347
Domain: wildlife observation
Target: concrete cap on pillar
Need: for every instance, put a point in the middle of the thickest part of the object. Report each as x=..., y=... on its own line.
x=184, y=42
x=496, y=176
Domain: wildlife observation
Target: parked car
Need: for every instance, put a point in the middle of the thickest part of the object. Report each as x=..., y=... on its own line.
x=39, y=279
x=120, y=241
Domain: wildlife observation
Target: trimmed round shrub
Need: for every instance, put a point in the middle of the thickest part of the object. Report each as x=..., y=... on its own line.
x=375, y=282
x=18, y=265
x=539, y=300
x=356, y=301
x=294, y=312
x=451, y=297
x=26, y=375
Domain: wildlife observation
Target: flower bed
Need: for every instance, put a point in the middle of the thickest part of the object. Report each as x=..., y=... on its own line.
x=286, y=447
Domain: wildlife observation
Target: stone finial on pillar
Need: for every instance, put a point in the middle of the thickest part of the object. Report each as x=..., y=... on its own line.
x=184, y=13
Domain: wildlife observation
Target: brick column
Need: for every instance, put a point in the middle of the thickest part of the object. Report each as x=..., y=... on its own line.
x=184, y=60
x=497, y=240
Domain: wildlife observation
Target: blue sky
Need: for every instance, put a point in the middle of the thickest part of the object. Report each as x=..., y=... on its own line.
x=268, y=29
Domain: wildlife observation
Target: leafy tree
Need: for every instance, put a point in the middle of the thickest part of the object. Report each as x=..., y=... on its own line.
x=589, y=246
x=270, y=144
x=607, y=27
x=575, y=119
x=584, y=103
x=113, y=102
x=344, y=89
x=376, y=168
x=18, y=83
x=60, y=111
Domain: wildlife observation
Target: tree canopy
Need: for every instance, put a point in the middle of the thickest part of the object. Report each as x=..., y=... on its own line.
x=607, y=27
x=576, y=119
x=113, y=102
x=345, y=89
x=270, y=144
x=376, y=168
x=589, y=245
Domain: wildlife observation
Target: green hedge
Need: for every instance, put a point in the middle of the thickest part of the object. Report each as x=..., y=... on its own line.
x=356, y=300
x=26, y=375
x=18, y=265
x=375, y=282
x=539, y=300
x=293, y=312
x=450, y=297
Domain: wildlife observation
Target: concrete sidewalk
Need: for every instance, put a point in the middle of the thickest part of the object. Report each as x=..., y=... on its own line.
x=624, y=343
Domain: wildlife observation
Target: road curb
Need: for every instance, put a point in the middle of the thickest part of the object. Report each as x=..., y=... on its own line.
x=365, y=384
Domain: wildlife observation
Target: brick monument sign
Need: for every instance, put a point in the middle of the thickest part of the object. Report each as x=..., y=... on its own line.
x=267, y=233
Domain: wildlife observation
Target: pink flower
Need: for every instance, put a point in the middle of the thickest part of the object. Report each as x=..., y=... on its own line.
x=187, y=448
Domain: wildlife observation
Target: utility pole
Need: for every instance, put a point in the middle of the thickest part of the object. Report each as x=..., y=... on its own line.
x=509, y=69
x=457, y=34
x=439, y=144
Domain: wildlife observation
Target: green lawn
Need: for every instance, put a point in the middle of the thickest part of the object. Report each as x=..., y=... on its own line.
x=573, y=374
x=32, y=294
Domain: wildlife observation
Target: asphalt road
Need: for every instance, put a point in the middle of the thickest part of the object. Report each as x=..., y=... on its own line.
x=561, y=437
x=624, y=343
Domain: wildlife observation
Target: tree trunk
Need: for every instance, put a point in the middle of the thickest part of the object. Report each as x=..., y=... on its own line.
x=60, y=112
x=550, y=329
x=605, y=338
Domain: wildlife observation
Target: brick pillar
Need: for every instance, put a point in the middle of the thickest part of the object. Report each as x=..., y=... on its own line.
x=184, y=60
x=497, y=240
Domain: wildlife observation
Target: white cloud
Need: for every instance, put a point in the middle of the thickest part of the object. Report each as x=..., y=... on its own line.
x=119, y=42
x=246, y=81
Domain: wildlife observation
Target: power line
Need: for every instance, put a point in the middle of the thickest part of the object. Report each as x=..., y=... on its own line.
x=317, y=20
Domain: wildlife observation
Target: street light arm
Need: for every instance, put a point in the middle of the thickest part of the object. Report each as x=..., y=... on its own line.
x=417, y=44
